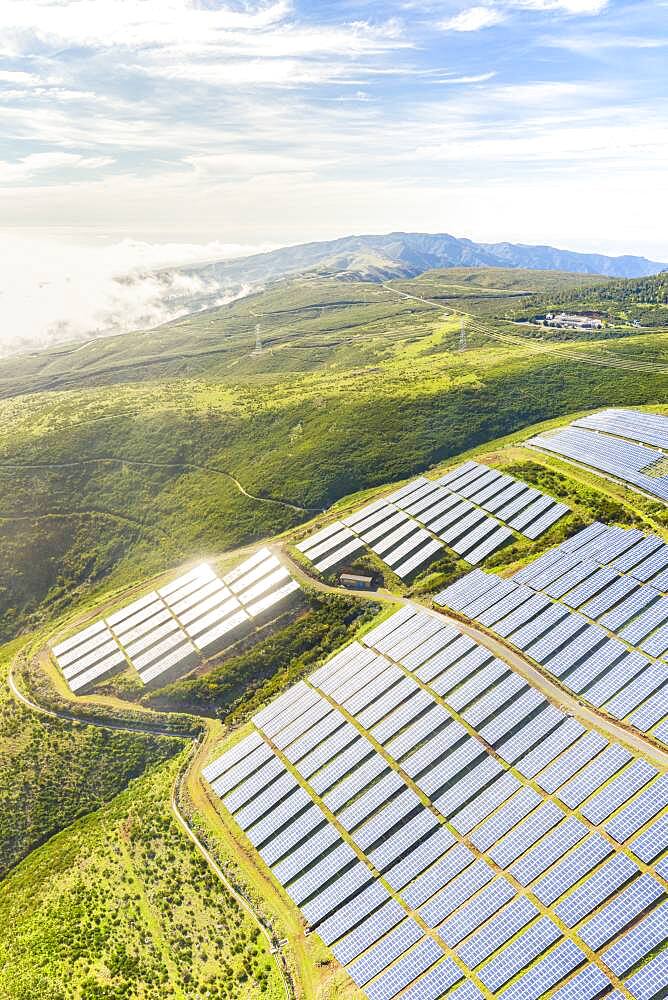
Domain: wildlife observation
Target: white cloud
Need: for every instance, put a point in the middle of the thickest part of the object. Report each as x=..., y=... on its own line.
x=57, y=292
x=473, y=19
x=568, y=6
x=497, y=11
x=38, y=163
x=479, y=78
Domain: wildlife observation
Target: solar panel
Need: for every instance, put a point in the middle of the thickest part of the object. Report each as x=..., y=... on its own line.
x=651, y=711
x=506, y=817
x=654, y=840
x=451, y=864
x=403, y=840
x=377, y=509
x=547, y=972
x=379, y=826
x=548, y=850
x=641, y=809
x=618, y=791
x=467, y=786
x=404, y=715
x=649, y=982
x=408, y=968
x=284, y=813
x=413, y=864
x=549, y=748
x=509, y=718
x=313, y=541
x=279, y=839
x=356, y=781
x=597, y=888
x=334, y=863
x=534, y=730
x=369, y=801
x=607, y=922
x=339, y=555
x=232, y=757
x=104, y=668
x=307, y=854
x=380, y=955
x=369, y=931
x=519, y=953
x=338, y=768
x=572, y=868
x=644, y=684
x=521, y=837
x=488, y=901
x=485, y=802
x=588, y=984
x=352, y=912
x=432, y=985
x=638, y=942
x=348, y=884
x=570, y=762
x=456, y=892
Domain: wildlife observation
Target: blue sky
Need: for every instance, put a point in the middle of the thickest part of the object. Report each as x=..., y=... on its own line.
x=192, y=121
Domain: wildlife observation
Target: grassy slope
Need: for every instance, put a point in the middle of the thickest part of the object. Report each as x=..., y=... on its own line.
x=121, y=906
x=52, y=772
x=356, y=388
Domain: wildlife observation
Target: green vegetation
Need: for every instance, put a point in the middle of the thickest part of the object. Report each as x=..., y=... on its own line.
x=640, y=300
x=52, y=772
x=355, y=387
x=121, y=907
x=243, y=683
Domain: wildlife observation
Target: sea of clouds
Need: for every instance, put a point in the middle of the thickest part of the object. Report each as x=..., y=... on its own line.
x=55, y=291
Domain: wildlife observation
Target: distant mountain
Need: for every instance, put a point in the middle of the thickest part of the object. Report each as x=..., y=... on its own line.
x=377, y=258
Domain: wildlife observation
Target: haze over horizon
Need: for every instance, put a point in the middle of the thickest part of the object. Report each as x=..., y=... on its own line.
x=138, y=132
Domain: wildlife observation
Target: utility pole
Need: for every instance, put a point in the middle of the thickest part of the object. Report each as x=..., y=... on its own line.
x=462, y=335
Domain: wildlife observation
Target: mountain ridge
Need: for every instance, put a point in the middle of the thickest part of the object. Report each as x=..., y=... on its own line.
x=377, y=257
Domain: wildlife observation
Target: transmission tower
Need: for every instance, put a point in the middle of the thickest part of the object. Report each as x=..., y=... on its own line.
x=258, y=339
x=462, y=336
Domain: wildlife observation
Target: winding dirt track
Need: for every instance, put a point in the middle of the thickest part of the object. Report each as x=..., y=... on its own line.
x=28, y=703
x=45, y=467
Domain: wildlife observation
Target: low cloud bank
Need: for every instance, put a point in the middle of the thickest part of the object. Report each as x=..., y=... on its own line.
x=54, y=292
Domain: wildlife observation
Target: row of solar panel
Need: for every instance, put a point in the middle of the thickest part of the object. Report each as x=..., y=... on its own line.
x=452, y=509
x=584, y=657
x=634, y=425
x=613, y=456
x=164, y=633
x=523, y=507
x=340, y=764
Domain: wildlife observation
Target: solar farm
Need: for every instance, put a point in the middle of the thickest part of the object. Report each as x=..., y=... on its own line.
x=447, y=830
x=627, y=444
x=167, y=632
x=593, y=613
x=473, y=510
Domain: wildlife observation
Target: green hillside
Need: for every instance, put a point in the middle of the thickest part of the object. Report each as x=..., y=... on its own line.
x=121, y=906
x=52, y=772
x=110, y=482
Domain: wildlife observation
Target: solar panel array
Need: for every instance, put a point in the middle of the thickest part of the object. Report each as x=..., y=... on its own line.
x=523, y=507
x=621, y=443
x=593, y=612
x=167, y=632
x=446, y=830
x=409, y=528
